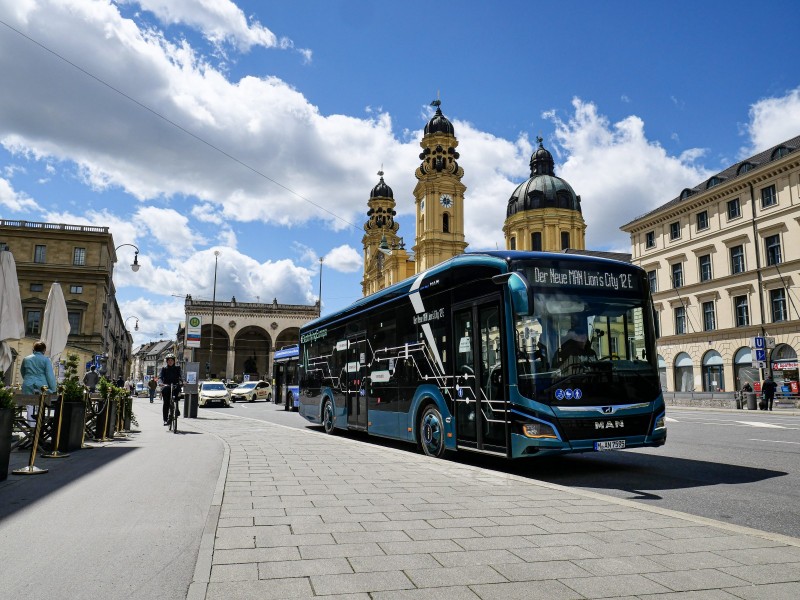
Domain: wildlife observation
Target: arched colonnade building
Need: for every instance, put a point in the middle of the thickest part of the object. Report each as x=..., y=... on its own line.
x=246, y=335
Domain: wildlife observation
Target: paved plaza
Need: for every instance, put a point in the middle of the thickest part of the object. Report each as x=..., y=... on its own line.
x=278, y=512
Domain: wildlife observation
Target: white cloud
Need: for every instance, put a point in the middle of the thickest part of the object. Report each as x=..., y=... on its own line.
x=169, y=228
x=772, y=121
x=618, y=172
x=220, y=21
x=14, y=201
x=344, y=259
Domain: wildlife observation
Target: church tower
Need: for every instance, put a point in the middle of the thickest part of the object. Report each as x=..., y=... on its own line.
x=544, y=213
x=439, y=195
x=385, y=258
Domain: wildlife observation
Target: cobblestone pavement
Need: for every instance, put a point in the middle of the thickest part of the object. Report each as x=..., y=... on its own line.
x=298, y=514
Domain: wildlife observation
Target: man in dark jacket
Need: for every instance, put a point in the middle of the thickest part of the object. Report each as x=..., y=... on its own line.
x=170, y=376
x=768, y=391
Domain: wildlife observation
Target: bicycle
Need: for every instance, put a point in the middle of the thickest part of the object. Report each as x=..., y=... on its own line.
x=174, y=411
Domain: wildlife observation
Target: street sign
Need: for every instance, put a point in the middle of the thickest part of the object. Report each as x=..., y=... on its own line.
x=770, y=341
x=761, y=355
x=758, y=342
x=760, y=364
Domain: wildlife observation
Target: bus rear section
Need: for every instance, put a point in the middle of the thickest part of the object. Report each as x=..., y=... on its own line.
x=285, y=377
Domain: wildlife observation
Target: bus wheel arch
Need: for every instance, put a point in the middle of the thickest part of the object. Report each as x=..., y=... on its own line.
x=431, y=430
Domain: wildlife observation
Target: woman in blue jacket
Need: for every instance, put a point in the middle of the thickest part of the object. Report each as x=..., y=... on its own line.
x=37, y=370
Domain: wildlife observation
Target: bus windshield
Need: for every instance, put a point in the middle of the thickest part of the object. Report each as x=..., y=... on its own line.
x=587, y=344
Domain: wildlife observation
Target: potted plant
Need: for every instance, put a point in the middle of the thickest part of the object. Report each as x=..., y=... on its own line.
x=73, y=407
x=7, y=406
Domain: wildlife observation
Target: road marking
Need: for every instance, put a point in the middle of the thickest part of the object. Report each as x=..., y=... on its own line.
x=759, y=424
x=671, y=420
x=773, y=441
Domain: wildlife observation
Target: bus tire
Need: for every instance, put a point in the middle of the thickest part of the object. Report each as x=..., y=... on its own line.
x=430, y=432
x=328, y=417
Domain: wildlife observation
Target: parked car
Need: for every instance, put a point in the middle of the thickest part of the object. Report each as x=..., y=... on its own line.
x=252, y=391
x=141, y=389
x=213, y=391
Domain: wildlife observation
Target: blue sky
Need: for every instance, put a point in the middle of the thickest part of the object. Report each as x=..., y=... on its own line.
x=257, y=128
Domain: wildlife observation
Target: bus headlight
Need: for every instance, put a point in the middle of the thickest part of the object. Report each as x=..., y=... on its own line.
x=539, y=431
x=661, y=422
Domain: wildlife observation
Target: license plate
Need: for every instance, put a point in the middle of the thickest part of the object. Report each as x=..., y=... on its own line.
x=610, y=445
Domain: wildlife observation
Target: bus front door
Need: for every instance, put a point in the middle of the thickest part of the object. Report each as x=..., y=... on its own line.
x=479, y=393
x=356, y=386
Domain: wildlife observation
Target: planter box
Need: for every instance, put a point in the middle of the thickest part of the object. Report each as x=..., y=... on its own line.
x=72, y=424
x=6, y=424
x=109, y=416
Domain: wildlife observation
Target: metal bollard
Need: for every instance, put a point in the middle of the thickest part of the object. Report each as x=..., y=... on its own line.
x=55, y=453
x=30, y=469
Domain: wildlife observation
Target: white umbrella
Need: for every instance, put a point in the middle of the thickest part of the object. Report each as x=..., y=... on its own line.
x=55, y=325
x=12, y=325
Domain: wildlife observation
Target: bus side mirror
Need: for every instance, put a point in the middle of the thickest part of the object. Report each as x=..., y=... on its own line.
x=519, y=290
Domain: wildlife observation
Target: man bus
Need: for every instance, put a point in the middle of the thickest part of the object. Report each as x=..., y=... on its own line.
x=515, y=354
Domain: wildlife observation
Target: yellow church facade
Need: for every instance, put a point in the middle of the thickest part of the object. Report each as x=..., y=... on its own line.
x=543, y=213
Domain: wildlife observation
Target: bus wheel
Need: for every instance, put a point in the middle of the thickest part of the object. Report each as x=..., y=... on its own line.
x=327, y=416
x=431, y=432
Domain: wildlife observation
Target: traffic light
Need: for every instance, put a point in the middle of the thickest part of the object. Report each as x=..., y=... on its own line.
x=103, y=369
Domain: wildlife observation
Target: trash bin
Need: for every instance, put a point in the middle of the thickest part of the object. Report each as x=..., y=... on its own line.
x=750, y=398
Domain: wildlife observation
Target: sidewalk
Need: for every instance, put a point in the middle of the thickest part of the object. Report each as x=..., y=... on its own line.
x=295, y=513
x=305, y=515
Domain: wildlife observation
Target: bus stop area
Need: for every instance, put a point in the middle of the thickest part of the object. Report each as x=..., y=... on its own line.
x=240, y=508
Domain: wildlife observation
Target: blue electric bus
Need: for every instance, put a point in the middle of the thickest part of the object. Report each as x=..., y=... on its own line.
x=515, y=354
x=284, y=377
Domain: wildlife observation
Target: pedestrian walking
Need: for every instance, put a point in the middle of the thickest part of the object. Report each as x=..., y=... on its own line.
x=152, y=385
x=91, y=379
x=768, y=392
x=37, y=370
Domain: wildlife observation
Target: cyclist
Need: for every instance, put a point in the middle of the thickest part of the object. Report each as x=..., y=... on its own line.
x=169, y=376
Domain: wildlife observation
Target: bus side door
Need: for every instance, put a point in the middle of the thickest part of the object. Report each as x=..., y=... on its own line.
x=478, y=390
x=357, y=365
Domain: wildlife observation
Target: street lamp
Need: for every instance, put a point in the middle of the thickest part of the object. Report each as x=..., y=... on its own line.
x=107, y=318
x=213, y=306
x=320, y=287
x=135, y=327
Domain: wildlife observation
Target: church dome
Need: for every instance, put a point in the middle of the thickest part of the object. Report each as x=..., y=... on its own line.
x=381, y=190
x=543, y=189
x=439, y=123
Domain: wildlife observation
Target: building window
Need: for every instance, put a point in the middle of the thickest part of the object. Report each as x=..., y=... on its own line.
x=702, y=220
x=74, y=322
x=650, y=239
x=39, y=254
x=37, y=287
x=777, y=299
x=536, y=241
x=446, y=223
x=737, y=260
x=768, y=197
x=773, y=247
x=709, y=319
x=674, y=230
x=33, y=322
x=677, y=275
x=680, y=320
x=76, y=289
x=79, y=257
x=513, y=243
x=705, y=267
x=564, y=240
x=741, y=311
x=651, y=277
x=734, y=209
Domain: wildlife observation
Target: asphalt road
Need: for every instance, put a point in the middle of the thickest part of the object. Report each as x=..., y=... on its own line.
x=740, y=467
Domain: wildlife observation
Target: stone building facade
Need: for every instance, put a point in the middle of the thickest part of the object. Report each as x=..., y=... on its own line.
x=723, y=259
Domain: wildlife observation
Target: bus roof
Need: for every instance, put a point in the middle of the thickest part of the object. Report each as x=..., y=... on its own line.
x=501, y=259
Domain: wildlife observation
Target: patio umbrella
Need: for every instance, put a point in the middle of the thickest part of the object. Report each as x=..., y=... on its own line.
x=12, y=325
x=55, y=325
